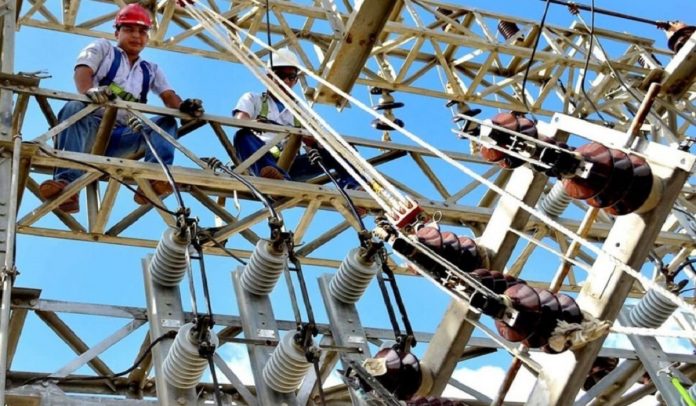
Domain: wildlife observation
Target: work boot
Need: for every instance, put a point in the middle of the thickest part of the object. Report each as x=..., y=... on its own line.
x=52, y=188
x=270, y=172
x=160, y=187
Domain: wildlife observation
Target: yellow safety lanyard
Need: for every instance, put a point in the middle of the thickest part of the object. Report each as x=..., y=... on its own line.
x=263, y=115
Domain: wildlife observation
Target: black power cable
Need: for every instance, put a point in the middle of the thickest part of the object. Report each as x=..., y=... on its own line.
x=315, y=159
x=268, y=33
x=542, y=23
x=587, y=60
x=216, y=164
x=168, y=335
x=166, y=170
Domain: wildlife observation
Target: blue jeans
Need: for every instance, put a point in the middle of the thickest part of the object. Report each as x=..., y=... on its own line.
x=80, y=137
x=246, y=143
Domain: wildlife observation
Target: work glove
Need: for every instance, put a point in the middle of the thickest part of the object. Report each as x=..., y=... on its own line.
x=100, y=94
x=136, y=124
x=192, y=107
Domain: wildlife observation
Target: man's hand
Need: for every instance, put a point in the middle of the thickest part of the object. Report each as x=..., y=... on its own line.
x=136, y=124
x=100, y=94
x=192, y=107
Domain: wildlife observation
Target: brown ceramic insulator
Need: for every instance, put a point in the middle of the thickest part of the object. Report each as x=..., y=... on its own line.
x=430, y=237
x=550, y=313
x=507, y=29
x=451, y=249
x=621, y=178
x=512, y=281
x=601, y=367
x=570, y=313
x=403, y=376
x=525, y=300
x=492, y=155
x=678, y=34
x=500, y=284
x=598, y=178
x=507, y=120
x=511, y=121
x=484, y=276
x=469, y=258
x=434, y=401
x=638, y=191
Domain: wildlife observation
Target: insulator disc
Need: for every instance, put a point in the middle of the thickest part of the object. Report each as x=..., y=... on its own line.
x=600, y=173
x=500, y=283
x=388, y=105
x=526, y=301
x=431, y=238
x=403, y=376
x=512, y=122
x=570, y=313
x=678, y=38
x=638, y=191
x=469, y=258
x=484, y=276
x=507, y=29
x=550, y=314
x=601, y=367
x=382, y=126
x=451, y=249
x=621, y=178
x=512, y=281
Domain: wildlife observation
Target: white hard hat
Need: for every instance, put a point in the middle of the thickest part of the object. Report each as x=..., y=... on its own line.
x=284, y=57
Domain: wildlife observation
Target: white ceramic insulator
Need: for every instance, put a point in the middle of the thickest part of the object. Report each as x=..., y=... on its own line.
x=169, y=264
x=652, y=310
x=287, y=367
x=183, y=367
x=352, y=278
x=555, y=203
x=263, y=269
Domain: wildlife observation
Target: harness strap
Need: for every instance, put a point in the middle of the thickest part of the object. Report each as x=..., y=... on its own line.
x=146, y=81
x=113, y=69
x=263, y=114
x=106, y=80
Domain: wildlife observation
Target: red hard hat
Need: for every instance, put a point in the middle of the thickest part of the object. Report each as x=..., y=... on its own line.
x=134, y=14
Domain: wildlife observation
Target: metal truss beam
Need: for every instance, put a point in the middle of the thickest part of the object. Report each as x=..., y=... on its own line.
x=420, y=38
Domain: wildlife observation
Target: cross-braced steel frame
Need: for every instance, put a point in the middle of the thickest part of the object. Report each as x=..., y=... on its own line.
x=409, y=44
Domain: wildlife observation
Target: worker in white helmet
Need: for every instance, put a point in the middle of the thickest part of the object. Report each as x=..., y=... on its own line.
x=267, y=108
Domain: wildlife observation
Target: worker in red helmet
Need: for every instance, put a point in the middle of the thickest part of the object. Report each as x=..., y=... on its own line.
x=266, y=107
x=104, y=72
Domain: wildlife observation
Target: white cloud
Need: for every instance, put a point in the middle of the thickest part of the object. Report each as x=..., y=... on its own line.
x=237, y=359
x=487, y=380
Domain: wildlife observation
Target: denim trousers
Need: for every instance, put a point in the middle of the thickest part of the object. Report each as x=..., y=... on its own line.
x=80, y=137
x=246, y=143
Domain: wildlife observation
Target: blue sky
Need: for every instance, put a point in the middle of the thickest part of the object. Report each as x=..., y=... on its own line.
x=101, y=273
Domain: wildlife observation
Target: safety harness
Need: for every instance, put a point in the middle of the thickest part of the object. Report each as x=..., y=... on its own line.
x=263, y=116
x=108, y=80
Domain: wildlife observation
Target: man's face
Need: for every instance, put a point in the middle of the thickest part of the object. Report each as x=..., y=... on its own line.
x=132, y=38
x=287, y=74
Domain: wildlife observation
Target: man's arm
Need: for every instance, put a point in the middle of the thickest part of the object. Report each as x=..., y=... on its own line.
x=83, y=78
x=192, y=107
x=171, y=99
x=242, y=115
